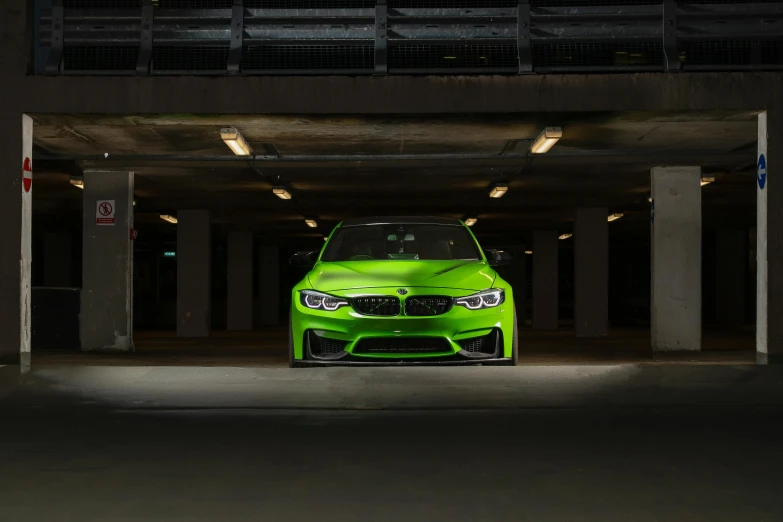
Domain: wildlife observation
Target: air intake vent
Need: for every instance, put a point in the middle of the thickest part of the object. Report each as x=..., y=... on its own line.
x=485, y=345
x=427, y=305
x=378, y=306
x=402, y=345
x=325, y=347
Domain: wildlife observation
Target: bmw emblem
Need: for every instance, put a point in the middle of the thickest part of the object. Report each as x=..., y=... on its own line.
x=402, y=291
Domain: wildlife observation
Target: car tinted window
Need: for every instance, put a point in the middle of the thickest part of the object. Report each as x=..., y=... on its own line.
x=401, y=242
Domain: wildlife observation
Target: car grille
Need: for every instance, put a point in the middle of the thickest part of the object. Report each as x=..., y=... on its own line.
x=485, y=344
x=376, y=305
x=323, y=346
x=402, y=345
x=427, y=305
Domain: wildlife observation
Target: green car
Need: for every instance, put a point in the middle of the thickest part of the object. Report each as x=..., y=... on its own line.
x=410, y=290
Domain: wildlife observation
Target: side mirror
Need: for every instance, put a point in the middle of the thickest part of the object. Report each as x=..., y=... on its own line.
x=305, y=259
x=498, y=257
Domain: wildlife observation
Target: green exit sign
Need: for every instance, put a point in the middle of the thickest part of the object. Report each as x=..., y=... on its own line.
x=169, y=254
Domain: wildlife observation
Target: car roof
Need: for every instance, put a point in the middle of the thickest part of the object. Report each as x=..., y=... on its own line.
x=401, y=220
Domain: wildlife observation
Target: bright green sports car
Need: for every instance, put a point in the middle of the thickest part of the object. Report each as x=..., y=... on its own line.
x=411, y=290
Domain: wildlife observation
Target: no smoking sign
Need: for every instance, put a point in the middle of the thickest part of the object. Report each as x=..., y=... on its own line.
x=104, y=212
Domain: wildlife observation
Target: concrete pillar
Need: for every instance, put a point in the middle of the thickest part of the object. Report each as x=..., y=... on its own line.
x=676, y=258
x=240, y=281
x=545, y=302
x=269, y=285
x=16, y=145
x=57, y=260
x=591, y=272
x=518, y=281
x=194, y=273
x=107, y=262
x=730, y=277
x=769, y=240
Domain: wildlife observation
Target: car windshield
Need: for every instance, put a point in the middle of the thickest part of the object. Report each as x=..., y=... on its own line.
x=401, y=242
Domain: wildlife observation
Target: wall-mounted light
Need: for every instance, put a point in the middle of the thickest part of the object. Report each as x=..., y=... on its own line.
x=706, y=179
x=78, y=182
x=235, y=141
x=281, y=192
x=471, y=221
x=170, y=219
x=546, y=140
x=614, y=217
x=311, y=223
x=565, y=236
x=169, y=254
x=529, y=252
x=498, y=190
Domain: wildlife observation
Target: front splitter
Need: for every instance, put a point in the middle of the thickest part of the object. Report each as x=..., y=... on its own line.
x=468, y=362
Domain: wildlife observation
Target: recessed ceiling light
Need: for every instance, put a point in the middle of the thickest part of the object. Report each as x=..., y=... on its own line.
x=498, y=190
x=235, y=141
x=281, y=192
x=565, y=236
x=170, y=219
x=77, y=181
x=311, y=223
x=471, y=221
x=706, y=179
x=615, y=217
x=528, y=252
x=546, y=140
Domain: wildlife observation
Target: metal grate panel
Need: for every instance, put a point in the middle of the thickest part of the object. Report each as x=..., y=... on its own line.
x=87, y=58
x=591, y=3
x=310, y=4
x=451, y=4
x=308, y=57
x=772, y=52
x=722, y=52
x=189, y=58
x=456, y=56
x=599, y=54
x=102, y=4
x=194, y=4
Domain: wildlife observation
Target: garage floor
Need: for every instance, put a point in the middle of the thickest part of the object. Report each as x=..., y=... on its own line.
x=268, y=348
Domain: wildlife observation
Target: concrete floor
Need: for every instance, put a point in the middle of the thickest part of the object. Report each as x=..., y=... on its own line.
x=533, y=465
x=268, y=348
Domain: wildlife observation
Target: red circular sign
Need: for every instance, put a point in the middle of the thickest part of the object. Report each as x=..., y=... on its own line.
x=105, y=208
x=27, y=174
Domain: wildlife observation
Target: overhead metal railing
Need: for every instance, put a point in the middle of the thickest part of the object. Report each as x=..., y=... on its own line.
x=176, y=37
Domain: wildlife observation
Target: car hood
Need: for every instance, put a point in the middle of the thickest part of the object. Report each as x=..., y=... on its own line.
x=347, y=275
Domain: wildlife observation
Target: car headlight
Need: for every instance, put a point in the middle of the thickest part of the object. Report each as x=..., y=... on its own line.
x=320, y=301
x=484, y=299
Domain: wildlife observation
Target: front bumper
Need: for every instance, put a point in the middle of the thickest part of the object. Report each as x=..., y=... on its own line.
x=453, y=330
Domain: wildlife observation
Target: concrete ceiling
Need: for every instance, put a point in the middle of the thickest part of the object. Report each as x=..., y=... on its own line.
x=603, y=159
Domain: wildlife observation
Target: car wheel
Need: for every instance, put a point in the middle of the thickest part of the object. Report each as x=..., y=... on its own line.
x=292, y=362
x=514, y=343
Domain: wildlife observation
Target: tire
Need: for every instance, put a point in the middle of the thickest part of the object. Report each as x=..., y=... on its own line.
x=292, y=362
x=514, y=344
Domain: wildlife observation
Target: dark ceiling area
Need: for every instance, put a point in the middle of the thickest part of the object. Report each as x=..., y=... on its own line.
x=337, y=167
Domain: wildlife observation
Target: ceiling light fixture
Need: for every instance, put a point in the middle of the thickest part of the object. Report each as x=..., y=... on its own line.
x=77, y=181
x=235, y=141
x=546, y=140
x=565, y=236
x=529, y=252
x=281, y=192
x=311, y=223
x=471, y=221
x=498, y=190
x=614, y=217
x=706, y=179
x=170, y=219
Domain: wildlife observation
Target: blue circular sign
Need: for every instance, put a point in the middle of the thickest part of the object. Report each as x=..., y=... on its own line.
x=761, y=172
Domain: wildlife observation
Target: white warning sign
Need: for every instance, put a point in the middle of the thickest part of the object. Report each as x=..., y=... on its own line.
x=104, y=212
